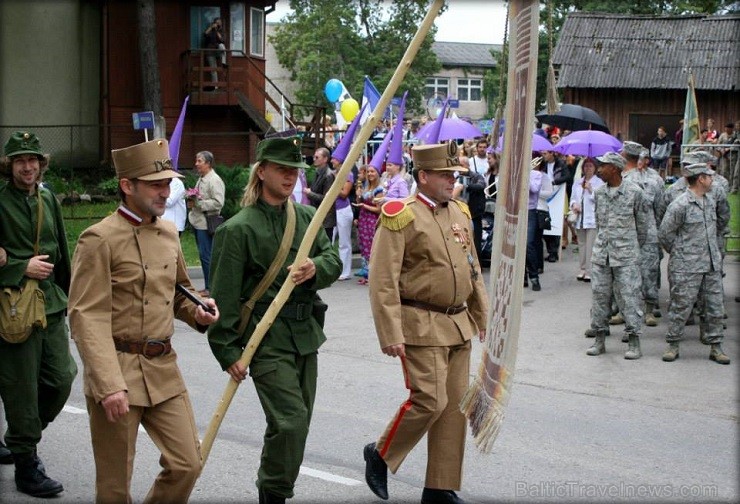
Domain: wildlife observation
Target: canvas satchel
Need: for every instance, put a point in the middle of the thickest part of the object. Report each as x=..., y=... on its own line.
x=23, y=309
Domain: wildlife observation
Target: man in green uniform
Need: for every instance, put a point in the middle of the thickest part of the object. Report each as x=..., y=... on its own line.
x=35, y=376
x=284, y=366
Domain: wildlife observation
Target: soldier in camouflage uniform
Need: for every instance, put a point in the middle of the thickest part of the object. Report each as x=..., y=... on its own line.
x=650, y=249
x=621, y=227
x=687, y=233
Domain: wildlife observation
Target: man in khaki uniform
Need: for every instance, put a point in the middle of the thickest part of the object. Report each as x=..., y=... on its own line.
x=428, y=301
x=122, y=306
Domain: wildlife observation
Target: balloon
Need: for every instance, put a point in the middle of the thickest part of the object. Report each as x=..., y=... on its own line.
x=349, y=109
x=333, y=89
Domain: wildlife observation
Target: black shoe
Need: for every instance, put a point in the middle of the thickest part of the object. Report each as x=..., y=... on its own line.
x=30, y=480
x=5, y=456
x=434, y=496
x=376, y=471
x=536, y=285
x=540, y=270
x=552, y=258
x=270, y=498
x=526, y=283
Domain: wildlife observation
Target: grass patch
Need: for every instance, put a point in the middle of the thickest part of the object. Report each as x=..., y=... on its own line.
x=733, y=244
x=80, y=216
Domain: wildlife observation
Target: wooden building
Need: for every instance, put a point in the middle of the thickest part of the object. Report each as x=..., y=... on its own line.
x=633, y=70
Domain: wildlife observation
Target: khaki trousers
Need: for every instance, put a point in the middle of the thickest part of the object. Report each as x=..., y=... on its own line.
x=437, y=378
x=171, y=426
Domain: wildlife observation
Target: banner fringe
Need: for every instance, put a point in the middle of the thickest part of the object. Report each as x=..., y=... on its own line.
x=485, y=414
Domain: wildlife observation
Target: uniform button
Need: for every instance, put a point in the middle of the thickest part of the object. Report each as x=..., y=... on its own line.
x=137, y=231
x=159, y=232
x=167, y=302
x=165, y=266
x=146, y=266
x=146, y=301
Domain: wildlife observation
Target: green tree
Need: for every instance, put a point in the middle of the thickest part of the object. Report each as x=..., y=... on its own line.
x=561, y=9
x=348, y=39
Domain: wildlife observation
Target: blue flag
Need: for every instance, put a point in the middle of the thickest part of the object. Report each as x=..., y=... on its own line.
x=370, y=97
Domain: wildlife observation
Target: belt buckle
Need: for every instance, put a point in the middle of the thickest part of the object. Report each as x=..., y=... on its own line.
x=452, y=310
x=156, y=344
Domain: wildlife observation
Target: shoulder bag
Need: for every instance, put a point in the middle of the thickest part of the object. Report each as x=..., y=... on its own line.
x=23, y=309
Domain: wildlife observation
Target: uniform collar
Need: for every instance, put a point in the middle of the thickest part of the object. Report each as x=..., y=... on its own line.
x=428, y=202
x=129, y=215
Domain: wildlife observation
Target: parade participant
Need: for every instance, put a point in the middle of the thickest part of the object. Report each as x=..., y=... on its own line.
x=621, y=225
x=284, y=366
x=121, y=311
x=320, y=187
x=652, y=190
x=36, y=375
x=695, y=265
x=428, y=300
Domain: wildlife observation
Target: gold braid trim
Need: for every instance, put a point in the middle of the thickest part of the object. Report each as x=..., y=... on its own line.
x=464, y=207
x=399, y=221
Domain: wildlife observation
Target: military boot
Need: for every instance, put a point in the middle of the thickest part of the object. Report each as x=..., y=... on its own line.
x=717, y=355
x=671, y=353
x=599, y=347
x=616, y=319
x=32, y=480
x=650, y=319
x=270, y=498
x=656, y=312
x=633, y=349
x=625, y=338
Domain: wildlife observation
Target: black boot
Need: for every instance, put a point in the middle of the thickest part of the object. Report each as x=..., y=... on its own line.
x=31, y=479
x=270, y=498
x=376, y=471
x=5, y=456
x=435, y=496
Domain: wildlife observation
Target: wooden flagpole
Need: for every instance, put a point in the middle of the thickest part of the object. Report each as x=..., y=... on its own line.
x=317, y=222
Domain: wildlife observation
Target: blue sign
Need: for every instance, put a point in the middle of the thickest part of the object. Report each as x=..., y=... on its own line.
x=143, y=120
x=454, y=103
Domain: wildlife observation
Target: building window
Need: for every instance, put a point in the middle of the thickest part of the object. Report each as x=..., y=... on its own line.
x=257, y=32
x=200, y=19
x=436, y=87
x=469, y=89
x=236, y=23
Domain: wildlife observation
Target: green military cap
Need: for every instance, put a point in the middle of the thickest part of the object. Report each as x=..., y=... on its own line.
x=697, y=169
x=23, y=142
x=632, y=148
x=282, y=151
x=145, y=161
x=437, y=157
x=612, y=158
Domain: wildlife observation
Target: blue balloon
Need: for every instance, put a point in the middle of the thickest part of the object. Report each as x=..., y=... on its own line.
x=333, y=90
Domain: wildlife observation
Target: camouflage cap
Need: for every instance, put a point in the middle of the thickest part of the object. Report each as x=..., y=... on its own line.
x=632, y=148
x=699, y=156
x=644, y=153
x=612, y=158
x=697, y=169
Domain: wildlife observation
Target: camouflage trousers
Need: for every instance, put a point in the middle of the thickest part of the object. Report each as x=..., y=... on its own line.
x=705, y=289
x=650, y=272
x=626, y=282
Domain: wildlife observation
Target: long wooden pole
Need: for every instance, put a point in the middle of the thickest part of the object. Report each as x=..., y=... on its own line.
x=317, y=222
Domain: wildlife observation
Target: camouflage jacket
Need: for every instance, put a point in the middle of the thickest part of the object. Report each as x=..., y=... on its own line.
x=653, y=194
x=621, y=224
x=717, y=192
x=688, y=233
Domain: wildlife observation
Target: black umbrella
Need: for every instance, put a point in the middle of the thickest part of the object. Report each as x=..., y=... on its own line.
x=574, y=118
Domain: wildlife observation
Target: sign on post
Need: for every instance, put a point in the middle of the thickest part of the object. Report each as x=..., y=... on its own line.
x=144, y=121
x=454, y=103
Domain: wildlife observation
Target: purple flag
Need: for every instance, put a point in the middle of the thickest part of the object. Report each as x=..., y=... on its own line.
x=437, y=125
x=177, y=134
x=396, y=154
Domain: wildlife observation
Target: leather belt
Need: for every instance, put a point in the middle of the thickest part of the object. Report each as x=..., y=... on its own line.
x=293, y=311
x=447, y=310
x=147, y=348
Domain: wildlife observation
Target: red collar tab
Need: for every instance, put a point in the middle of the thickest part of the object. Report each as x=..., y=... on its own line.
x=426, y=200
x=129, y=215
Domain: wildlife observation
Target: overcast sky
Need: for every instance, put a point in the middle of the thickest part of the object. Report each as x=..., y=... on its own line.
x=479, y=21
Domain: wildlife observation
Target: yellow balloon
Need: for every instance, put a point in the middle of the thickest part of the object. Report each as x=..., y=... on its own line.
x=349, y=109
x=268, y=116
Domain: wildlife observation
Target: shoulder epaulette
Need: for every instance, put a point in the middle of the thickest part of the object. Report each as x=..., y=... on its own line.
x=464, y=207
x=396, y=214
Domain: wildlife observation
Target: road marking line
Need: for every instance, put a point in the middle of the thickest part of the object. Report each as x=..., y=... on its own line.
x=329, y=476
x=73, y=410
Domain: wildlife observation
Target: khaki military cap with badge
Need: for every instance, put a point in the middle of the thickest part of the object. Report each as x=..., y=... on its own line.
x=146, y=161
x=612, y=158
x=437, y=157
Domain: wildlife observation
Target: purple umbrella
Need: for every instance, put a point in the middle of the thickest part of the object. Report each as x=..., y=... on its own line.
x=587, y=143
x=539, y=144
x=452, y=129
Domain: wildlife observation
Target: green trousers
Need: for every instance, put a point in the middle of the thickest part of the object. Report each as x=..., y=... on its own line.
x=35, y=381
x=286, y=386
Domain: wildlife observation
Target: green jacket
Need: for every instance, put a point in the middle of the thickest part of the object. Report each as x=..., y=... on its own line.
x=243, y=249
x=18, y=236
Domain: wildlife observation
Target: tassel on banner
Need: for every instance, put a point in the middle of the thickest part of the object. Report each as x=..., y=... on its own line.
x=553, y=101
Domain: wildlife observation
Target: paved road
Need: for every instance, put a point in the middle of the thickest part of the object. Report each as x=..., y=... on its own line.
x=578, y=428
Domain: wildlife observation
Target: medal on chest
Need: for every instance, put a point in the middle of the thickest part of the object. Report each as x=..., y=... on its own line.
x=460, y=236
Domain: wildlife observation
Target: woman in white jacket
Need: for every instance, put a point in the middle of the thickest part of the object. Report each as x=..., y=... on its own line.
x=582, y=205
